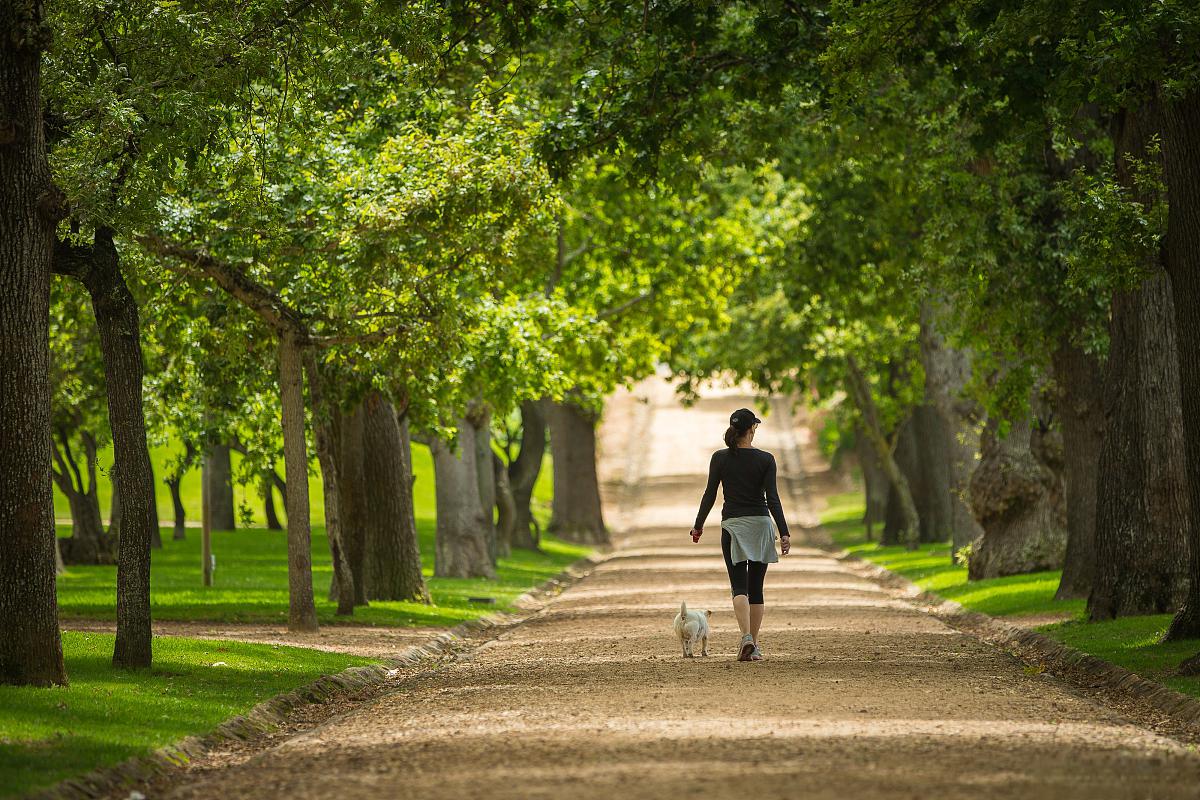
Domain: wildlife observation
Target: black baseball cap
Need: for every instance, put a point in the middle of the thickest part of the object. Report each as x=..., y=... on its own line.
x=743, y=419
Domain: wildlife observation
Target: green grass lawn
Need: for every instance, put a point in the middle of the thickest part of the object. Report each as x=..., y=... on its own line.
x=250, y=583
x=107, y=715
x=1131, y=642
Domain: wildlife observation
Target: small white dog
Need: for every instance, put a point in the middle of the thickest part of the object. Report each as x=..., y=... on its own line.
x=692, y=627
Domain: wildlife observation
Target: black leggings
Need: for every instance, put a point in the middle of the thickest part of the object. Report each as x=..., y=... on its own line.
x=745, y=577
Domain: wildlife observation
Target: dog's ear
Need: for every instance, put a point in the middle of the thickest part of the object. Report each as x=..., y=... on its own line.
x=707, y=613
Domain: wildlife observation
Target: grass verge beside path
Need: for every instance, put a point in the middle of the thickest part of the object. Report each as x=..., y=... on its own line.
x=106, y=715
x=1130, y=642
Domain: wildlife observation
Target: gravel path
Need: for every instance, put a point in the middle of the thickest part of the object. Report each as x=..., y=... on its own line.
x=862, y=695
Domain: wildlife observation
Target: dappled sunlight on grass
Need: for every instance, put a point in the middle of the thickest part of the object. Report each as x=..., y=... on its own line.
x=1136, y=644
x=1131, y=642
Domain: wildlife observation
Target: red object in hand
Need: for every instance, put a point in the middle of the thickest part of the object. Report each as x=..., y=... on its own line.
x=696, y=535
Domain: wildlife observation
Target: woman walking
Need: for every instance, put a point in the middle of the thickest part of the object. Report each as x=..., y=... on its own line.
x=747, y=536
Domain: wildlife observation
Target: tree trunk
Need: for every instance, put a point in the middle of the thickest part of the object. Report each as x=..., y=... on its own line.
x=156, y=531
x=117, y=322
x=352, y=499
x=1181, y=256
x=506, y=508
x=179, y=531
x=173, y=482
x=947, y=371
x=30, y=645
x=410, y=544
x=900, y=501
x=462, y=546
x=875, y=484
x=302, y=611
x=1143, y=508
x=524, y=470
x=218, y=473
x=904, y=451
x=394, y=560
x=576, y=514
x=88, y=543
x=1079, y=402
x=114, y=508
x=1017, y=495
x=325, y=428
x=268, y=498
x=1142, y=503
x=481, y=431
x=931, y=441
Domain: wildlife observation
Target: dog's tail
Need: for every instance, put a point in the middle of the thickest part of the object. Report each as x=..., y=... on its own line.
x=683, y=609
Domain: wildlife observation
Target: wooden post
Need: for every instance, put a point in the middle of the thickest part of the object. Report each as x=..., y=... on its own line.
x=206, y=571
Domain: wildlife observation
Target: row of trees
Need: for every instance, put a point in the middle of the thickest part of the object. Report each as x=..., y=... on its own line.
x=312, y=234
x=995, y=270
x=972, y=228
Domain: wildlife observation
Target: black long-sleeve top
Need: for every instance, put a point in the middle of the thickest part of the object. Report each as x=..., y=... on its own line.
x=748, y=475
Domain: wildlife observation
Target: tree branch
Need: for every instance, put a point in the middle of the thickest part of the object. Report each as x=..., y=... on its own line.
x=623, y=307
x=258, y=298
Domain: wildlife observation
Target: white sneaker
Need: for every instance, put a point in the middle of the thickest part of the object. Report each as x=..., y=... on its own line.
x=747, y=648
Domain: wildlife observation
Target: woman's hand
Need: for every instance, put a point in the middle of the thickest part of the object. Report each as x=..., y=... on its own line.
x=785, y=544
x=696, y=534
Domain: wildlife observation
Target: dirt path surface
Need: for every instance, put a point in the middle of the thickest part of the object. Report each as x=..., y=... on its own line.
x=862, y=695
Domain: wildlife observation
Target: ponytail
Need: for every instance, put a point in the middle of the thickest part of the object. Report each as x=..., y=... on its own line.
x=732, y=435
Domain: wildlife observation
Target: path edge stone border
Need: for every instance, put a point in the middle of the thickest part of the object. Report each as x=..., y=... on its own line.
x=273, y=712
x=1114, y=684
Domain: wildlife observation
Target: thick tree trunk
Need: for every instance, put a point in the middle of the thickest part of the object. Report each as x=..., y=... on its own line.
x=524, y=470
x=268, y=498
x=506, y=508
x=1143, y=506
x=1017, y=495
x=352, y=499
x=30, y=646
x=393, y=558
x=576, y=513
x=325, y=429
x=875, y=484
x=900, y=500
x=462, y=546
x=302, y=611
x=480, y=420
x=1079, y=402
x=947, y=371
x=1142, y=501
x=1181, y=256
x=117, y=321
x=218, y=474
